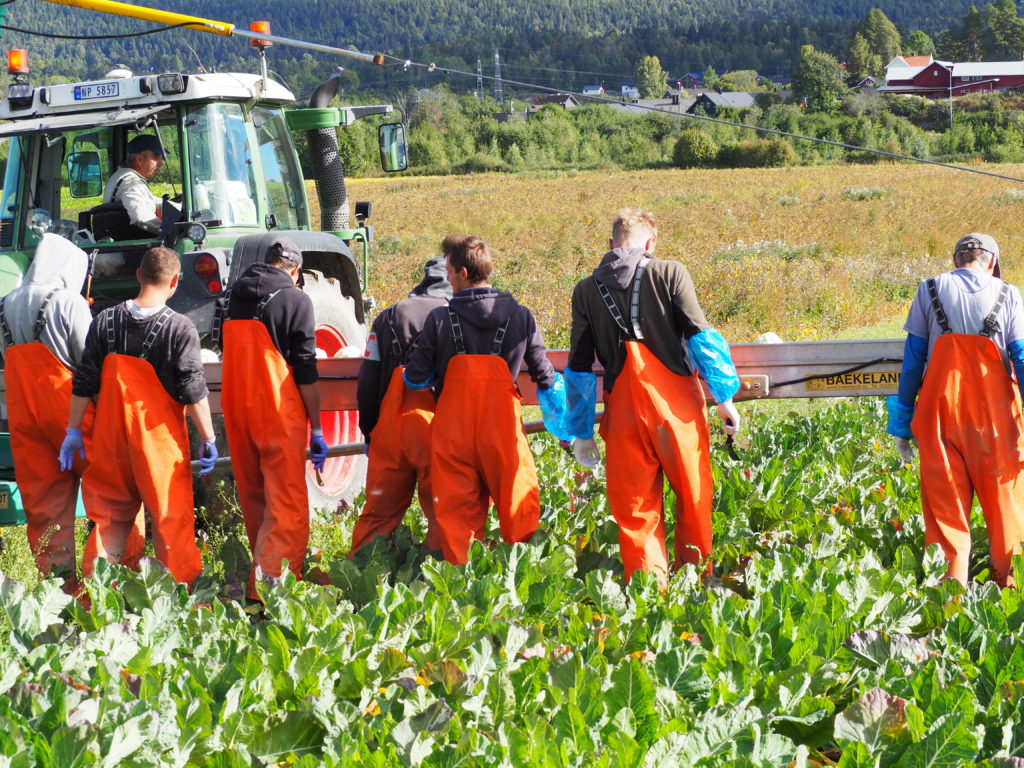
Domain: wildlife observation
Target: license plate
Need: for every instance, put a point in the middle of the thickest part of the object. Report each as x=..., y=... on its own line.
x=5, y=499
x=97, y=91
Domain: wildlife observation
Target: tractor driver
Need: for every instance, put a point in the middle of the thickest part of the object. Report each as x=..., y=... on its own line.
x=129, y=184
x=967, y=327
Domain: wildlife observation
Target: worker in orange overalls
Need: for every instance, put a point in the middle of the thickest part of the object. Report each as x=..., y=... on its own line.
x=141, y=363
x=967, y=326
x=470, y=353
x=640, y=317
x=271, y=391
x=396, y=419
x=44, y=323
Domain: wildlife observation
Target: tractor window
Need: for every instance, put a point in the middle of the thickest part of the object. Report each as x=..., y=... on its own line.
x=10, y=151
x=220, y=159
x=280, y=169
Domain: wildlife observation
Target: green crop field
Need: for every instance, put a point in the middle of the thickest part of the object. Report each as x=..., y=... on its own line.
x=824, y=636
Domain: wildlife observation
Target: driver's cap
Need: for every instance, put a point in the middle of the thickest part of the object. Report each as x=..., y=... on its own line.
x=145, y=142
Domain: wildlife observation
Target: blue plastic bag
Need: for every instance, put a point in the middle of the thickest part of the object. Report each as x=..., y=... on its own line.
x=581, y=394
x=554, y=408
x=899, y=418
x=709, y=352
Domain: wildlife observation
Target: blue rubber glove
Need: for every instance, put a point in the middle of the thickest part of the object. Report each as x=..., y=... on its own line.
x=317, y=449
x=554, y=408
x=581, y=397
x=710, y=354
x=73, y=442
x=899, y=418
x=1015, y=350
x=208, y=457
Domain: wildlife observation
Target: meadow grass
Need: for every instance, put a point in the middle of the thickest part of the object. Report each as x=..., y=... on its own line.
x=788, y=250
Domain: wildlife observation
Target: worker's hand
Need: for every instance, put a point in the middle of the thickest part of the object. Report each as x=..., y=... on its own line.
x=585, y=451
x=208, y=459
x=905, y=448
x=317, y=449
x=73, y=442
x=730, y=418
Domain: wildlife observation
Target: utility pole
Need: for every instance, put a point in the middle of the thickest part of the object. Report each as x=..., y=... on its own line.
x=498, y=94
x=479, y=80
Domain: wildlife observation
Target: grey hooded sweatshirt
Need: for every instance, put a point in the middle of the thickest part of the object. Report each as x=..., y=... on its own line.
x=58, y=264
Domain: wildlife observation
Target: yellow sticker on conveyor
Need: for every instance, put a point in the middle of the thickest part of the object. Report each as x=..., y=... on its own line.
x=854, y=381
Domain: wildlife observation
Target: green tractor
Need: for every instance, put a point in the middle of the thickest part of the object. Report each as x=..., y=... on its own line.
x=231, y=166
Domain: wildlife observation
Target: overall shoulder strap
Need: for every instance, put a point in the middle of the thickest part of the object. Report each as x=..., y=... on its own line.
x=8, y=338
x=499, y=338
x=460, y=340
x=220, y=316
x=155, y=328
x=113, y=194
x=37, y=329
x=262, y=306
x=634, y=299
x=396, y=346
x=613, y=308
x=109, y=329
x=991, y=325
x=940, y=313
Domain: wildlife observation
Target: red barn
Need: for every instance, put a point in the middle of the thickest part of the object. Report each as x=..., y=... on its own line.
x=946, y=79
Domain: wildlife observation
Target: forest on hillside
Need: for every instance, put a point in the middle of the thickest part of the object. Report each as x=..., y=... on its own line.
x=557, y=43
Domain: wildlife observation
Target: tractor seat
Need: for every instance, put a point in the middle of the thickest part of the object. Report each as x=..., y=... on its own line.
x=111, y=220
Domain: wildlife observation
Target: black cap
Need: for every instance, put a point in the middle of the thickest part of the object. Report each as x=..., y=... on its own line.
x=145, y=142
x=435, y=280
x=286, y=250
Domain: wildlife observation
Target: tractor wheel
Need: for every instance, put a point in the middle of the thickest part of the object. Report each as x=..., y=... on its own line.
x=338, y=334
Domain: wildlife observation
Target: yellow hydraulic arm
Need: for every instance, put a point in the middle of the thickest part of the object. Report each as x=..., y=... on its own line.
x=208, y=25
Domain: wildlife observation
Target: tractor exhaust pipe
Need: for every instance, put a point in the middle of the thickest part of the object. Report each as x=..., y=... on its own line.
x=325, y=159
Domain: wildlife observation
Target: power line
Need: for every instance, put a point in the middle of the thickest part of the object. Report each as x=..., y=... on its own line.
x=55, y=36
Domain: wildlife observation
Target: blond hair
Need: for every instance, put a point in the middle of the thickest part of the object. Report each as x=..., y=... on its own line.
x=632, y=225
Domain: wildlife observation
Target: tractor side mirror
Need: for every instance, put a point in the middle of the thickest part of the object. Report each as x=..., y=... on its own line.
x=85, y=178
x=394, y=155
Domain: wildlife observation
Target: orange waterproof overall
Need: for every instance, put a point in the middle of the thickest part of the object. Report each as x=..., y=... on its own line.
x=38, y=398
x=140, y=455
x=267, y=437
x=399, y=455
x=968, y=428
x=479, y=451
x=655, y=421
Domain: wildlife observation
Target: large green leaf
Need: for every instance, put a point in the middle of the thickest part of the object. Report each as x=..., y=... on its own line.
x=633, y=690
x=293, y=733
x=29, y=613
x=947, y=743
x=877, y=720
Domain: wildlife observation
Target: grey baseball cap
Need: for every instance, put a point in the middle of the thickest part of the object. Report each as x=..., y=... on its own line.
x=976, y=241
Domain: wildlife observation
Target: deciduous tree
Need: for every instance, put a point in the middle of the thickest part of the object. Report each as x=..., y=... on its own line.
x=651, y=79
x=817, y=81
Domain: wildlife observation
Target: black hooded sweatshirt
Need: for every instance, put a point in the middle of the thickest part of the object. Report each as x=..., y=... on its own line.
x=288, y=316
x=481, y=312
